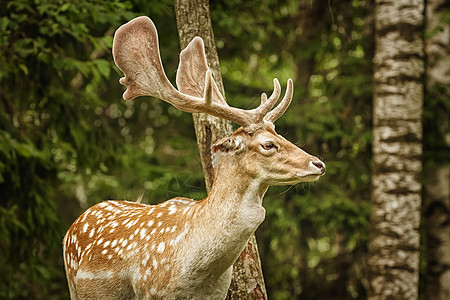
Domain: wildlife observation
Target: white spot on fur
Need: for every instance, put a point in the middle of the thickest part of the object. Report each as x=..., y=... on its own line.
x=179, y=237
x=85, y=215
x=85, y=227
x=161, y=247
x=142, y=233
x=172, y=209
x=145, y=259
x=182, y=201
x=132, y=223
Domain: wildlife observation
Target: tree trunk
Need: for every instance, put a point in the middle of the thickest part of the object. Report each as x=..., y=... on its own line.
x=437, y=191
x=193, y=19
x=397, y=148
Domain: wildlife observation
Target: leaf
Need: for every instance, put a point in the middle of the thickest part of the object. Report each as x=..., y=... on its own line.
x=24, y=68
x=104, y=67
x=4, y=21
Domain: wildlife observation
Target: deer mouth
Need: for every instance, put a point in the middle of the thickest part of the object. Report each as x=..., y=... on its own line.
x=308, y=177
x=298, y=178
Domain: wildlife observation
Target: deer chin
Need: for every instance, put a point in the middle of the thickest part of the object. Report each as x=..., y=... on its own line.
x=296, y=178
x=307, y=178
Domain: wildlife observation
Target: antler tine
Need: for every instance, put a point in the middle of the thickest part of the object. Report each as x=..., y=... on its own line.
x=275, y=94
x=208, y=94
x=267, y=104
x=279, y=110
x=263, y=98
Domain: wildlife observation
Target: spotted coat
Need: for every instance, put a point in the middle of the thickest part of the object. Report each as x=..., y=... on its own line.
x=137, y=238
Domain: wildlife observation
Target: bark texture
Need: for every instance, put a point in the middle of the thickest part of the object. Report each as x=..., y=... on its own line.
x=397, y=148
x=437, y=189
x=193, y=19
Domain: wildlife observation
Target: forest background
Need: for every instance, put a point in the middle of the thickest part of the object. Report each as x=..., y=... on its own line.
x=68, y=140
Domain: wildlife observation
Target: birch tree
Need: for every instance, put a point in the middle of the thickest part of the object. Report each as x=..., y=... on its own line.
x=397, y=148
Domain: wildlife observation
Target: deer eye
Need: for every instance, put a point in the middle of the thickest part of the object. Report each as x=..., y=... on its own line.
x=268, y=146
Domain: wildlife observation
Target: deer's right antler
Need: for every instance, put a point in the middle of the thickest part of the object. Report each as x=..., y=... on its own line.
x=136, y=53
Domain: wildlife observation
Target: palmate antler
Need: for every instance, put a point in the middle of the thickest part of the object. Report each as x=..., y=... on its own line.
x=136, y=53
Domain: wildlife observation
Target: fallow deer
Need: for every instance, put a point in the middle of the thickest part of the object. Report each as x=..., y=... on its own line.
x=181, y=248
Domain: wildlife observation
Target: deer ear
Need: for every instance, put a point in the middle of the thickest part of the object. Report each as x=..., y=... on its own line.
x=231, y=144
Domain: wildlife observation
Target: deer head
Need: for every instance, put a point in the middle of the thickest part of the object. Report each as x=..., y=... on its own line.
x=268, y=157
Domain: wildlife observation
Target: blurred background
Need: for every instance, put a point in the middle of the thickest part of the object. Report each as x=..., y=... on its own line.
x=68, y=140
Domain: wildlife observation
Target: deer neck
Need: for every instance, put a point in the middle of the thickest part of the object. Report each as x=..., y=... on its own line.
x=228, y=217
x=236, y=194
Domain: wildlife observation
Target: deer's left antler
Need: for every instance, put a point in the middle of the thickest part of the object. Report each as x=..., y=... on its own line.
x=136, y=53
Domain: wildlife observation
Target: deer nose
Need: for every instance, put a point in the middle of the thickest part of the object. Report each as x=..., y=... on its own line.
x=319, y=165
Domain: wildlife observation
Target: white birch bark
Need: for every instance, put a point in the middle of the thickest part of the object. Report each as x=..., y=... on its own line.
x=397, y=148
